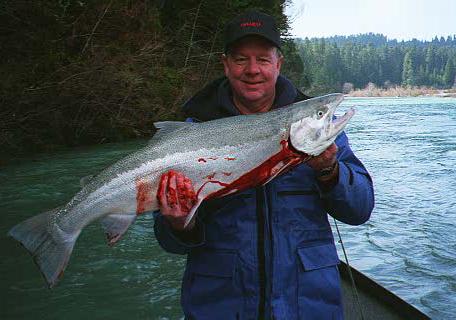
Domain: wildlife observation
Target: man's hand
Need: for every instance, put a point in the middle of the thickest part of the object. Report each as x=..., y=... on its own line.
x=327, y=168
x=176, y=197
x=324, y=160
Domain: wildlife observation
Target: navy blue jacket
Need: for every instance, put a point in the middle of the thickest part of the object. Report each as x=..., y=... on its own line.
x=268, y=251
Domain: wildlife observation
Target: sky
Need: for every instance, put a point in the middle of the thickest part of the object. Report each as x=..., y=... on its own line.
x=396, y=19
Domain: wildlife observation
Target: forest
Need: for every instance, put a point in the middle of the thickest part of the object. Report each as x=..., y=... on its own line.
x=95, y=71
x=357, y=60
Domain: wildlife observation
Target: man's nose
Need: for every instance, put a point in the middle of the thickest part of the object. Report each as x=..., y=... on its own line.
x=252, y=67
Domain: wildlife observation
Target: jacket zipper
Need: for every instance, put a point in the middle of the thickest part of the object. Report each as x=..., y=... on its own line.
x=260, y=249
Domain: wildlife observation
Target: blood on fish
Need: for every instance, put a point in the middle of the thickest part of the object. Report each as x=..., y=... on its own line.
x=223, y=184
x=227, y=173
x=144, y=197
x=230, y=159
x=212, y=158
x=286, y=158
x=201, y=160
x=210, y=176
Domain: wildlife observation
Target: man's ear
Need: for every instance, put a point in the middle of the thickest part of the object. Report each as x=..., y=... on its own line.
x=279, y=62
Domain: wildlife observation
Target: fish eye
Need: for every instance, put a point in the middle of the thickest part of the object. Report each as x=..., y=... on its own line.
x=320, y=113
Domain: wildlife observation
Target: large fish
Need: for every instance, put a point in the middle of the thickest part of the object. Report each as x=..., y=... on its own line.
x=220, y=157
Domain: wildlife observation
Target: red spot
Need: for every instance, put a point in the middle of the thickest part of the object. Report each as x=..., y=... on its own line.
x=230, y=159
x=201, y=160
x=285, y=159
x=144, y=197
x=227, y=173
x=210, y=176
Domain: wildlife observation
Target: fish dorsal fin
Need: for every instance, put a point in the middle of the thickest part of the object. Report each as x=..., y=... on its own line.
x=165, y=127
x=168, y=126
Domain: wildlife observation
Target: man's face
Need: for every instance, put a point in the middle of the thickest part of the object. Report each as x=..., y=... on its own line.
x=252, y=68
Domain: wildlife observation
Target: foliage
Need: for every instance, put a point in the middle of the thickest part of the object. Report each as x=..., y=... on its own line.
x=372, y=58
x=91, y=71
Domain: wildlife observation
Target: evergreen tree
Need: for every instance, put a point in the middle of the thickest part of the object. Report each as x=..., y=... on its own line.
x=449, y=74
x=408, y=73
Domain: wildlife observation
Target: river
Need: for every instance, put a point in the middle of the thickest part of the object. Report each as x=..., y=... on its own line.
x=408, y=245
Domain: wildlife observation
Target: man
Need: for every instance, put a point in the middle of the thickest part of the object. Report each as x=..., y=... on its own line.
x=268, y=252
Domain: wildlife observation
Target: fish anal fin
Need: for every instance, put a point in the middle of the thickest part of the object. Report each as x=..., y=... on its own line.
x=115, y=225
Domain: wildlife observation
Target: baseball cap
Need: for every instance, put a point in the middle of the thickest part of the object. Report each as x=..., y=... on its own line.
x=251, y=23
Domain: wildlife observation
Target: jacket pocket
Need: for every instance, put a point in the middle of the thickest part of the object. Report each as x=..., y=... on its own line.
x=212, y=292
x=318, y=256
x=319, y=282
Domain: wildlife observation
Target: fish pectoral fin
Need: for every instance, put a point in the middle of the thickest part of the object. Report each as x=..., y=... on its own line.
x=193, y=211
x=115, y=225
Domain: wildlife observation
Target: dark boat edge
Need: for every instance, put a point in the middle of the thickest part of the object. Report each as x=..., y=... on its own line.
x=375, y=301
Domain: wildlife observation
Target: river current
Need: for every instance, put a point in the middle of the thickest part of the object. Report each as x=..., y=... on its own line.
x=408, y=246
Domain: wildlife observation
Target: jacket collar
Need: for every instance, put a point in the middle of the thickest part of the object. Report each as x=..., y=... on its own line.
x=285, y=94
x=216, y=98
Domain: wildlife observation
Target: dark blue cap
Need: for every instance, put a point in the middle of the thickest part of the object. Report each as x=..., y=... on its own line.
x=252, y=23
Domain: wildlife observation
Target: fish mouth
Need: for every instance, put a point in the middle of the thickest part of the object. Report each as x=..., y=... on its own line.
x=334, y=125
x=312, y=134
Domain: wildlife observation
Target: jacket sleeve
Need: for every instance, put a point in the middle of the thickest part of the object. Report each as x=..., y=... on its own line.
x=351, y=200
x=178, y=242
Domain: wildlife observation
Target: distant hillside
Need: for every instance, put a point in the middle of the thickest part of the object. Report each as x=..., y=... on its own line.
x=343, y=62
x=378, y=39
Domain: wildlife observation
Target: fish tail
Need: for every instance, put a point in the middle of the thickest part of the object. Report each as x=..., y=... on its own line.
x=50, y=253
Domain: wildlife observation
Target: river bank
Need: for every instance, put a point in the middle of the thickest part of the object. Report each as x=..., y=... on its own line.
x=398, y=91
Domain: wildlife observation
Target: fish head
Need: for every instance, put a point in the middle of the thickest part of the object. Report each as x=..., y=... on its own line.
x=314, y=126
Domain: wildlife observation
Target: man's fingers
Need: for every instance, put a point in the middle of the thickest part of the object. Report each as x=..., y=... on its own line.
x=186, y=196
x=325, y=159
x=332, y=149
x=172, y=190
x=176, y=197
x=191, y=195
x=188, y=184
x=162, y=190
x=181, y=191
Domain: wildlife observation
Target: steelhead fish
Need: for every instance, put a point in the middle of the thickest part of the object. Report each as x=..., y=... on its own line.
x=220, y=157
